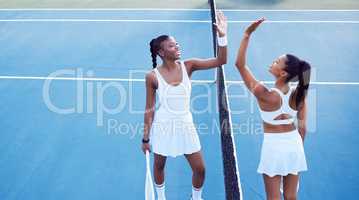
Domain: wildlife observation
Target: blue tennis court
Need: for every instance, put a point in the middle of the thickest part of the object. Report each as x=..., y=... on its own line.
x=73, y=97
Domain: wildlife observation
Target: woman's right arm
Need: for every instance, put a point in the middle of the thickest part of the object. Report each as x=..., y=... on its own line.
x=151, y=85
x=302, y=120
x=250, y=81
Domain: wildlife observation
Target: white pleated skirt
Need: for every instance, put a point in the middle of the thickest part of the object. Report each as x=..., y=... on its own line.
x=174, y=136
x=282, y=154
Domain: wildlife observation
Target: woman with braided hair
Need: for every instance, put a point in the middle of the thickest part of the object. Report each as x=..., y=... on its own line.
x=282, y=155
x=169, y=129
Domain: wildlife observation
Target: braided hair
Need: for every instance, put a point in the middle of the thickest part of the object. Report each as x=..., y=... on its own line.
x=298, y=70
x=155, y=46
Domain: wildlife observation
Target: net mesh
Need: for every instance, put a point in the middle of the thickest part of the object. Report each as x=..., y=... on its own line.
x=230, y=166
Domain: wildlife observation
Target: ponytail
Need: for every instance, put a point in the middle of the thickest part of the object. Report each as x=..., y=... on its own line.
x=155, y=46
x=153, y=53
x=303, y=83
x=298, y=70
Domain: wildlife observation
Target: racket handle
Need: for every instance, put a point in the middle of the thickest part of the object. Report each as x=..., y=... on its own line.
x=148, y=159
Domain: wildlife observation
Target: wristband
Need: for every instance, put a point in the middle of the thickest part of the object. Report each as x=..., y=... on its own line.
x=222, y=41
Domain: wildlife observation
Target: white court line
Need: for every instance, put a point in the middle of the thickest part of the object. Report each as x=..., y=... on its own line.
x=143, y=80
x=312, y=82
x=174, y=21
x=300, y=21
x=86, y=79
x=106, y=20
x=178, y=9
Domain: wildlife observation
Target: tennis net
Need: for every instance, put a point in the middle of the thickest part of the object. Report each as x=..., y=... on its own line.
x=230, y=166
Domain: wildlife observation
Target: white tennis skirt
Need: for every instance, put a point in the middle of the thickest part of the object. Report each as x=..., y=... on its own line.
x=282, y=154
x=174, y=136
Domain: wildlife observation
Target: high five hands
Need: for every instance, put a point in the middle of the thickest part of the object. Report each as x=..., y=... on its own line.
x=251, y=28
x=221, y=25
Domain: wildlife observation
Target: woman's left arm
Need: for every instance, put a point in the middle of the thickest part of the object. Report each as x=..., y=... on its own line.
x=194, y=64
x=302, y=120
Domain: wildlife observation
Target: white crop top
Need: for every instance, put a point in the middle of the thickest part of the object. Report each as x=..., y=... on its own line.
x=270, y=116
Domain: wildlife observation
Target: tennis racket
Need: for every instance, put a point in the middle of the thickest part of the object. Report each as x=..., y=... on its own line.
x=149, y=191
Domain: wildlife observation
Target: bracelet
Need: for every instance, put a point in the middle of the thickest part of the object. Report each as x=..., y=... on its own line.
x=145, y=141
x=222, y=41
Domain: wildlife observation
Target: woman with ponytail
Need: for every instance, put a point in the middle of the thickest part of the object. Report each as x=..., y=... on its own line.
x=169, y=130
x=282, y=155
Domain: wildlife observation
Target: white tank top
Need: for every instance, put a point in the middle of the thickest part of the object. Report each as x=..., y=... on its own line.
x=270, y=116
x=174, y=101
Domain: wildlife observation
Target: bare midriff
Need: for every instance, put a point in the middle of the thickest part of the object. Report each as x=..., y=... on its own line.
x=277, y=129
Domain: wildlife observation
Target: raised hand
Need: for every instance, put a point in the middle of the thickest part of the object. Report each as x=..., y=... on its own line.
x=251, y=28
x=221, y=25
